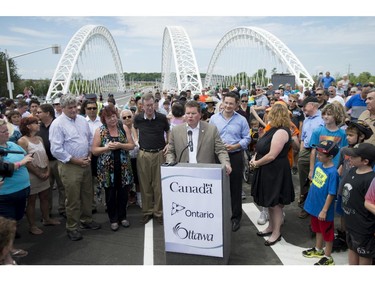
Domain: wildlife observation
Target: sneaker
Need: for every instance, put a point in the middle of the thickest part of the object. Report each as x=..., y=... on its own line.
x=125, y=223
x=313, y=253
x=263, y=218
x=243, y=195
x=114, y=226
x=325, y=261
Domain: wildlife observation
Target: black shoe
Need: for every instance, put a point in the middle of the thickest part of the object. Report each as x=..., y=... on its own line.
x=262, y=234
x=63, y=214
x=74, y=235
x=235, y=225
x=146, y=219
x=94, y=211
x=92, y=225
x=269, y=243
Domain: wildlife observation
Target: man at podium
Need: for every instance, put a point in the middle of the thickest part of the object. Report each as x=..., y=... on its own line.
x=196, y=141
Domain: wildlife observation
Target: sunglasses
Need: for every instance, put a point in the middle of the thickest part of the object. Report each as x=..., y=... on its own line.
x=292, y=101
x=319, y=95
x=91, y=108
x=127, y=117
x=244, y=101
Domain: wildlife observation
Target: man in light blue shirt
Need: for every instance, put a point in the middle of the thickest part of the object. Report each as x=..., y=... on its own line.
x=312, y=121
x=71, y=140
x=235, y=134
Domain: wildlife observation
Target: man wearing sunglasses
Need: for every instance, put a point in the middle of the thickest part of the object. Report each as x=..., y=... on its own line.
x=321, y=97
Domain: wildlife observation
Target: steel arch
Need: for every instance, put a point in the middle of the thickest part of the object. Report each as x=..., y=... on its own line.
x=176, y=45
x=271, y=42
x=62, y=77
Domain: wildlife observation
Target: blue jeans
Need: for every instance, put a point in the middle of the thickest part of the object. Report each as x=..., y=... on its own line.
x=12, y=206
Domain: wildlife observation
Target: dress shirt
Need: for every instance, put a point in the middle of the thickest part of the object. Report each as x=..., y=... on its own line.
x=232, y=131
x=309, y=124
x=70, y=138
x=195, y=135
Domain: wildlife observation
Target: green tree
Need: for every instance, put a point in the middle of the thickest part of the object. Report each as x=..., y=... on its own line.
x=15, y=78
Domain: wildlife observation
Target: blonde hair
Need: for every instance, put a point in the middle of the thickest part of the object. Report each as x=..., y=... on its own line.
x=279, y=116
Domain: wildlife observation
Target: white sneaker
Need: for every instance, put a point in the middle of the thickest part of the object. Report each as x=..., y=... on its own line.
x=263, y=218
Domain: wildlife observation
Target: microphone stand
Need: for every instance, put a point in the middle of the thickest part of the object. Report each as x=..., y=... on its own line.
x=188, y=145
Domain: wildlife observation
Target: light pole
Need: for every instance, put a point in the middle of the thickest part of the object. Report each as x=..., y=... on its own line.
x=56, y=49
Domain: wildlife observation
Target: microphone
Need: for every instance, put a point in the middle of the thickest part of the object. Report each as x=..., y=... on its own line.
x=190, y=140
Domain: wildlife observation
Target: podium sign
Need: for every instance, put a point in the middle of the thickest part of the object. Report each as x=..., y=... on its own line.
x=193, y=209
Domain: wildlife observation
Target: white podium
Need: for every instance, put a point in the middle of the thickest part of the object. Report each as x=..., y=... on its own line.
x=197, y=212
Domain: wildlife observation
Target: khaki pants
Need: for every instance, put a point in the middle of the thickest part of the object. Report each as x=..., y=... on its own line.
x=54, y=176
x=303, y=168
x=148, y=168
x=79, y=194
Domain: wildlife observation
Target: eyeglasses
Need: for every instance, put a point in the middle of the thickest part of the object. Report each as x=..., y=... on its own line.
x=244, y=101
x=353, y=92
x=91, y=108
x=319, y=95
x=292, y=101
x=127, y=117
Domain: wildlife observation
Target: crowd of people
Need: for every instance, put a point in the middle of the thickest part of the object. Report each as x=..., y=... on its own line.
x=88, y=150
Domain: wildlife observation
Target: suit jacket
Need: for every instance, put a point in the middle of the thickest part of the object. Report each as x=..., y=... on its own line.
x=209, y=145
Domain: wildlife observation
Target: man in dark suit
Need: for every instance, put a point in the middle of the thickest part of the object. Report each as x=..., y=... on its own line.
x=206, y=141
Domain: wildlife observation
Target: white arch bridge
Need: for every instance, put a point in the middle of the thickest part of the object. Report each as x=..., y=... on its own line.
x=244, y=55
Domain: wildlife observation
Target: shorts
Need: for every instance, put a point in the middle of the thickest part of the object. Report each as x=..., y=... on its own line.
x=339, y=209
x=326, y=228
x=363, y=245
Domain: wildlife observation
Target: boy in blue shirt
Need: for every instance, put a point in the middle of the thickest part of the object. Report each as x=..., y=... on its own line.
x=319, y=202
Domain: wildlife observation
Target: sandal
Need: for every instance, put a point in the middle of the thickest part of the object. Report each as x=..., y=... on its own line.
x=35, y=230
x=50, y=222
x=18, y=253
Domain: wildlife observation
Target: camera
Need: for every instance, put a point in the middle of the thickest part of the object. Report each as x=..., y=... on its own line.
x=6, y=168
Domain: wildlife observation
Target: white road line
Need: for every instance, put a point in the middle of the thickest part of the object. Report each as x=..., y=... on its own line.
x=148, y=250
x=289, y=254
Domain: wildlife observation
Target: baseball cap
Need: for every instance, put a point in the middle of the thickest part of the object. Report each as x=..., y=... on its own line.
x=309, y=99
x=328, y=147
x=90, y=96
x=364, y=150
x=269, y=84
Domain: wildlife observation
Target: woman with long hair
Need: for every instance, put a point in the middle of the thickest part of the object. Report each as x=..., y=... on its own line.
x=272, y=185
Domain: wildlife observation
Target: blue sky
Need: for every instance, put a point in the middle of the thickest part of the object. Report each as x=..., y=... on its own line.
x=334, y=43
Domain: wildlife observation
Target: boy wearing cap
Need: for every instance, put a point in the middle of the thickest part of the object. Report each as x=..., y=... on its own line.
x=360, y=222
x=356, y=132
x=319, y=200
